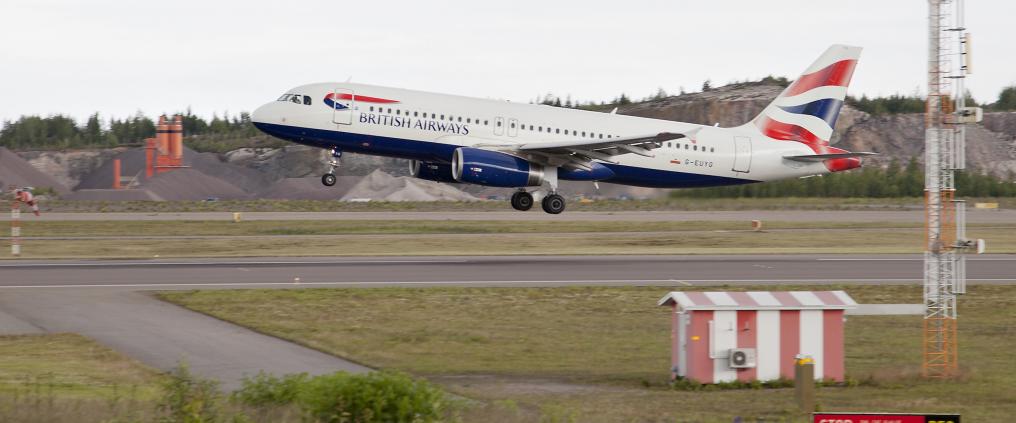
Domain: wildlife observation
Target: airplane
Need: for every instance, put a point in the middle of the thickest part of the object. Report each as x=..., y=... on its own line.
x=531, y=147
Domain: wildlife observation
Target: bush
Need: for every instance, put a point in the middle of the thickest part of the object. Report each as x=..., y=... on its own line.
x=267, y=390
x=371, y=397
x=190, y=399
x=344, y=397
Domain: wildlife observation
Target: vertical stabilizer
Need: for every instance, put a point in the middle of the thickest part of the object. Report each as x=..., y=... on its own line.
x=807, y=110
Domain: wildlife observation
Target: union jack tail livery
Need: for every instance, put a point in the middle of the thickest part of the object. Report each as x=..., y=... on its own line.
x=806, y=111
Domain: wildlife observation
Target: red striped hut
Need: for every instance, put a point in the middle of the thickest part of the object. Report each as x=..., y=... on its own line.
x=745, y=336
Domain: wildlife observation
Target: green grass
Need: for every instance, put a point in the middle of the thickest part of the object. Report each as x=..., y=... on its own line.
x=440, y=206
x=356, y=238
x=70, y=365
x=602, y=354
x=342, y=227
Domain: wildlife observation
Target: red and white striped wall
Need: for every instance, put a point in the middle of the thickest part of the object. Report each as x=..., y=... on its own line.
x=778, y=325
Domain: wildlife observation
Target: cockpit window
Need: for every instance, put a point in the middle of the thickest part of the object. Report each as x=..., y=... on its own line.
x=296, y=98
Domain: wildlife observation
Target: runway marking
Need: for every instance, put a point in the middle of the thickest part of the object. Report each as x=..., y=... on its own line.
x=219, y=263
x=686, y=282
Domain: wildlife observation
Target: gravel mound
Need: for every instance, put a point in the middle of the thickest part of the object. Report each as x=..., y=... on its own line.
x=192, y=184
x=16, y=171
x=380, y=186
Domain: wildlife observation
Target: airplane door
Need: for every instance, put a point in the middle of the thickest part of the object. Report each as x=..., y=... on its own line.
x=342, y=106
x=513, y=127
x=742, y=154
x=499, y=126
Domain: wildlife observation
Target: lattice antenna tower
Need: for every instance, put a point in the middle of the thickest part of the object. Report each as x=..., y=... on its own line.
x=945, y=241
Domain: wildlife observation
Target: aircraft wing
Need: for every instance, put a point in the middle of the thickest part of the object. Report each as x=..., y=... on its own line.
x=579, y=153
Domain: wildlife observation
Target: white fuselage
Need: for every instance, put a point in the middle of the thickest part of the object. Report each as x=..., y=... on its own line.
x=428, y=127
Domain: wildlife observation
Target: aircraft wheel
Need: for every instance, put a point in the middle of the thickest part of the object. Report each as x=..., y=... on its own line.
x=522, y=201
x=328, y=179
x=553, y=204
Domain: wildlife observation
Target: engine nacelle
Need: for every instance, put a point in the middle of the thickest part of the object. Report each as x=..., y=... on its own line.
x=491, y=168
x=430, y=171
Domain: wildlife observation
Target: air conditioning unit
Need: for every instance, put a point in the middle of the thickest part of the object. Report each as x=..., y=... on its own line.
x=742, y=358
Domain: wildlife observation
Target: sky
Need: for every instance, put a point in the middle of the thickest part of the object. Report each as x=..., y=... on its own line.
x=119, y=57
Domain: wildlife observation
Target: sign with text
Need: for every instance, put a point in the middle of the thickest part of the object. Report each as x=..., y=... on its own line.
x=884, y=418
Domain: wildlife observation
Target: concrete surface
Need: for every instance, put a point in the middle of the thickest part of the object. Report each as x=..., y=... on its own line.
x=487, y=271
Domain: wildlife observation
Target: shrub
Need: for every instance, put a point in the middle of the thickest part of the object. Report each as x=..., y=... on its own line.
x=190, y=399
x=267, y=390
x=372, y=397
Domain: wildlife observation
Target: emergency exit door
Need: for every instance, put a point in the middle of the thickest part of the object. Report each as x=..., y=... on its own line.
x=342, y=105
x=742, y=154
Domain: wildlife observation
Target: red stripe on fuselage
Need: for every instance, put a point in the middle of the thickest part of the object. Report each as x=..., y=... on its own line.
x=363, y=98
x=837, y=74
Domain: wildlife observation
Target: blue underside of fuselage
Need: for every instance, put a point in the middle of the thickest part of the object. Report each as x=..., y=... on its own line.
x=437, y=152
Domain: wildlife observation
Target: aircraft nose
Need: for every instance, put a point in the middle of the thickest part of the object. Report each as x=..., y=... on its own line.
x=260, y=115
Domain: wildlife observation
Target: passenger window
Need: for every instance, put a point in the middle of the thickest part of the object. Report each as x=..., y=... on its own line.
x=306, y=100
x=389, y=110
x=442, y=117
x=694, y=147
x=686, y=146
x=486, y=122
x=601, y=136
x=469, y=120
x=433, y=116
x=372, y=108
x=513, y=125
x=415, y=114
x=498, y=123
x=530, y=127
x=712, y=149
x=460, y=118
x=397, y=111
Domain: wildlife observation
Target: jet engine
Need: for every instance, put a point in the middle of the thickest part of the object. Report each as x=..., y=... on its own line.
x=491, y=168
x=440, y=172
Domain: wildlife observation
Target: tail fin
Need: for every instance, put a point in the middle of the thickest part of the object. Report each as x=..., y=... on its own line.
x=807, y=110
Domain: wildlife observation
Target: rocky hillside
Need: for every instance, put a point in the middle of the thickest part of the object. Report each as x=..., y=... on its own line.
x=991, y=145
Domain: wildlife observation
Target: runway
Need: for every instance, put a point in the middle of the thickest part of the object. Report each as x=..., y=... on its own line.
x=685, y=270
x=878, y=215
x=112, y=301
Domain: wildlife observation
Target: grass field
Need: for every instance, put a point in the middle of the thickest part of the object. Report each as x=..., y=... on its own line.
x=135, y=239
x=69, y=364
x=70, y=378
x=602, y=354
x=598, y=205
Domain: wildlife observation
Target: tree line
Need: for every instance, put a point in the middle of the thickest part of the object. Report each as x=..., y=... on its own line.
x=890, y=182
x=60, y=131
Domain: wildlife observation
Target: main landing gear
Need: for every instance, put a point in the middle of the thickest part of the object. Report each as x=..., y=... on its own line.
x=522, y=200
x=553, y=203
x=329, y=179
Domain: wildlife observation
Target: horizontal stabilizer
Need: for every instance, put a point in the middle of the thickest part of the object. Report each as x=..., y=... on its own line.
x=822, y=157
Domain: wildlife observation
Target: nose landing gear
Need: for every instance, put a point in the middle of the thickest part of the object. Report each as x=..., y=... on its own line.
x=329, y=179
